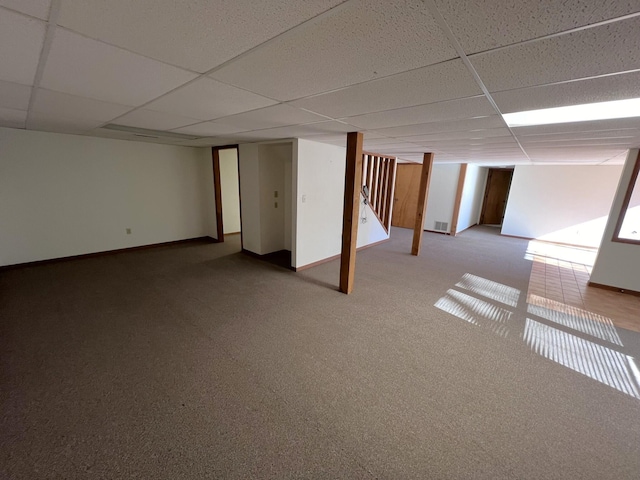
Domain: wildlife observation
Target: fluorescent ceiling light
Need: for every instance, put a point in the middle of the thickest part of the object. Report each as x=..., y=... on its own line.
x=575, y=113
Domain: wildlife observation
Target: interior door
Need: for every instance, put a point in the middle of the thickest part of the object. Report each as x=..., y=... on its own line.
x=405, y=199
x=495, y=197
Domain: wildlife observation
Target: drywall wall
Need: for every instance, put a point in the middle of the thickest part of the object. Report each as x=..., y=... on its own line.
x=249, y=163
x=475, y=182
x=264, y=170
x=230, y=187
x=561, y=203
x=442, y=195
x=318, y=209
x=64, y=195
x=618, y=264
x=274, y=161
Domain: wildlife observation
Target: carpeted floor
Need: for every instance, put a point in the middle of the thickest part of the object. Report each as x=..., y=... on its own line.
x=196, y=361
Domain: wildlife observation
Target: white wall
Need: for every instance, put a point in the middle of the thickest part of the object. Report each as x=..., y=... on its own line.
x=475, y=183
x=561, y=203
x=64, y=195
x=264, y=169
x=618, y=264
x=319, y=171
x=230, y=190
x=442, y=195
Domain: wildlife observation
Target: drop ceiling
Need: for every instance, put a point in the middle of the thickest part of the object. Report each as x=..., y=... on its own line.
x=415, y=76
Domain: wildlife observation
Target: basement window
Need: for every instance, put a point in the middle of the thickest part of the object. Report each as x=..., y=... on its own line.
x=628, y=226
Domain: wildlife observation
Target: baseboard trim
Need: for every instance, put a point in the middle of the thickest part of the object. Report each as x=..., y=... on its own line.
x=614, y=289
x=106, y=252
x=435, y=231
x=335, y=257
x=465, y=229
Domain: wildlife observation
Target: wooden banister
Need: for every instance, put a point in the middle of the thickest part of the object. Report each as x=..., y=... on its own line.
x=378, y=174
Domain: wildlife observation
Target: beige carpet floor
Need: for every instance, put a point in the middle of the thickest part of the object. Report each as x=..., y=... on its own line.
x=196, y=361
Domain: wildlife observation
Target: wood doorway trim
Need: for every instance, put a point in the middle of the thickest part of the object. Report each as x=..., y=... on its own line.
x=217, y=187
x=425, y=180
x=351, y=211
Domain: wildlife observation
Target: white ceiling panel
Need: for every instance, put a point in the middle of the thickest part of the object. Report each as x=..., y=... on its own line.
x=550, y=137
x=52, y=122
x=21, y=41
x=463, y=136
x=433, y=112
x=485, y=24
x=311, y=129
x=207, y=99
x=445, y=81
x=208, y=129
x=271, y=117
x=12, y=118
x=77, y=108
x=88, y=68
x=563, y=58
x=35, y=8
x=196, y=35
x=153, y=120
x=366, y=40
x=14, y=95
x=493, y=121
x=593, y=90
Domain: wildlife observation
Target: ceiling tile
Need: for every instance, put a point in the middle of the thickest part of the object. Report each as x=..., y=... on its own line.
x=21, y=41
x=207, y=99
x=208, y=129
x=593, y=90
x=492, y=121
x=311, y=129
x=80, y=109
x=464, y=135
x=480, y=24
x=35, y=8
x=12, y=118
x=365, y=40
x=153, y=120
x=543, y=137
x=51, y=122
x=196, y=35
x=270, y=117
x=445, y=81
x=433, y=112
x=14, y=95
x=562, y=58
x=88, y=68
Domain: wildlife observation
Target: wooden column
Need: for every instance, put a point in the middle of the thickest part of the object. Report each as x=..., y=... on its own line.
x=215, y=152
x=456, y=205
x=425, y=179
x=352, y=187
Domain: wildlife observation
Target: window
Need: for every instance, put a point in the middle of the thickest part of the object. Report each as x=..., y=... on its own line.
x=628, y=226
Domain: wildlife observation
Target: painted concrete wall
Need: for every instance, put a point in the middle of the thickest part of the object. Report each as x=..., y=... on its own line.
x=561, y=203
x=618, y=264
x=64, y=195
x=475, y=183
x=230, y=190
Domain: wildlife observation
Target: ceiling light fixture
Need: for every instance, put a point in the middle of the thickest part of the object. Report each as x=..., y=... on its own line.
x=575, y=113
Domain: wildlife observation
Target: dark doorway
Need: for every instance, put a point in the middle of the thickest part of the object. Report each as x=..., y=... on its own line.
x=495, y=196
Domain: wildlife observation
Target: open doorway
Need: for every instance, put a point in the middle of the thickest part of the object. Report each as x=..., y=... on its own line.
x=227, y=190
x=495, y=196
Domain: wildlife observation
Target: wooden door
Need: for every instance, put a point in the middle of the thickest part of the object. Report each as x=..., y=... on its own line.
x=405, y=199
x=495, y=196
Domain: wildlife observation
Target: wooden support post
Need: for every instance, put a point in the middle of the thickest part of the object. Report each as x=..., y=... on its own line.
x=352, y=187
x=215, y=152
x=425, y=179
x=456, y=205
